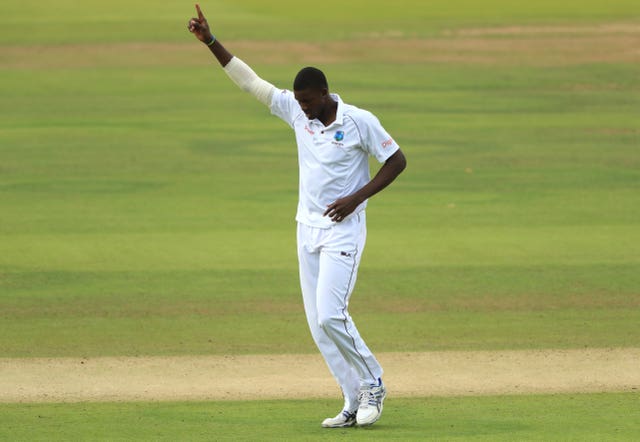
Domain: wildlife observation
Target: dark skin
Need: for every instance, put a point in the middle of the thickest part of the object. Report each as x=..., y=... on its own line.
x=315, y=103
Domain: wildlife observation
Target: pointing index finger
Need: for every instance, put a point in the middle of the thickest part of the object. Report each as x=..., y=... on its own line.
x=200, y=15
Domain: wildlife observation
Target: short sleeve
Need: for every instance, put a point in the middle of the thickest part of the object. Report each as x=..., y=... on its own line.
x=375, y=139
x=285, y=106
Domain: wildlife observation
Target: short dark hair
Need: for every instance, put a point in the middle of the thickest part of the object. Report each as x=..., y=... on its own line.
x=310, y=78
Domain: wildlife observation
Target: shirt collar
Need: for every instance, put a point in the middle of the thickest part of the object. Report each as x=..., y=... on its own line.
x=340, y=110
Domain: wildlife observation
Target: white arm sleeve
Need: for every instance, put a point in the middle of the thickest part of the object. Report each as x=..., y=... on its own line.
x=242, y=75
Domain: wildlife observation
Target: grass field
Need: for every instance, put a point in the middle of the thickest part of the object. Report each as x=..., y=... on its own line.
x=501, y=418
x=146, y=205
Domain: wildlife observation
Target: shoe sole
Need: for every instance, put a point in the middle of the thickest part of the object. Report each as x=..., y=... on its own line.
x=345, y=425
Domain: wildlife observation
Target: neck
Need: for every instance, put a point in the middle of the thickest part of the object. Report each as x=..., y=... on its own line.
x=328, y=114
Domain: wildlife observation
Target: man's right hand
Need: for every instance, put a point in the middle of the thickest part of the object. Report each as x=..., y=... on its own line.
x=199, y=27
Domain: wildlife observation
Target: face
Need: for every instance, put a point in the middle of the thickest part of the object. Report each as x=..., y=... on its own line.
x=312, y=101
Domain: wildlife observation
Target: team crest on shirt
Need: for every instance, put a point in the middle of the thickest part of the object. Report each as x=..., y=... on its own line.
x=339, y=136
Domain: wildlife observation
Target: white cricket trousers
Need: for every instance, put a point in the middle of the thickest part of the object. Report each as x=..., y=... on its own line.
x=329, y=260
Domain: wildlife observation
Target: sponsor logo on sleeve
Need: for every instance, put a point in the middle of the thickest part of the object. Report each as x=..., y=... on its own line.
x=387, y=143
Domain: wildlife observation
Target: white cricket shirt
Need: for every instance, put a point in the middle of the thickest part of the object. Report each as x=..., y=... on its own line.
x=333, y=160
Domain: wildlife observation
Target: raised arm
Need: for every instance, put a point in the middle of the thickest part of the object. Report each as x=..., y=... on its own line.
x=239, y=72
x=200, y=28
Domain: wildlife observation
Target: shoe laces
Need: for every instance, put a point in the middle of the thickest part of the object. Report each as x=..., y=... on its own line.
x=367, y=396
x=347, y=415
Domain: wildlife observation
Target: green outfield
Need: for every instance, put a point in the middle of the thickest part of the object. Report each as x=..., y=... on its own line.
x=503, y=418
x=146, y=205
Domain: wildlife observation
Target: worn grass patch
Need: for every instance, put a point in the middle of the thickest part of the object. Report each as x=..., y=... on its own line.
x=560, y=45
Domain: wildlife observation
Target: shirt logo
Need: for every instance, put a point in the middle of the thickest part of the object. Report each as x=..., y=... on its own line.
x=339, y=136
x=308, y=130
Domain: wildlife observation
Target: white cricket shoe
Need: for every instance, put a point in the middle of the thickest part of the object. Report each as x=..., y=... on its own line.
x=344, y=419
x=371, y=400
